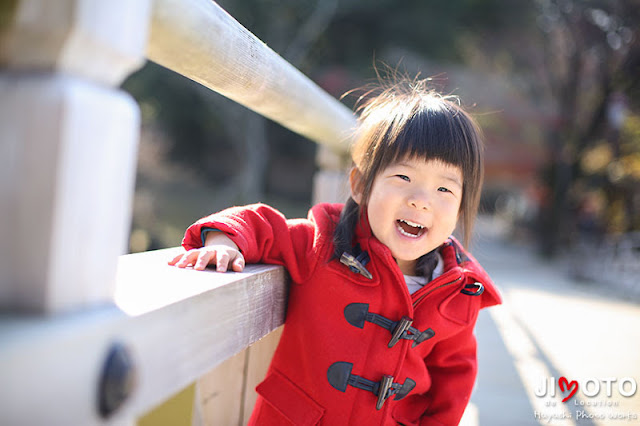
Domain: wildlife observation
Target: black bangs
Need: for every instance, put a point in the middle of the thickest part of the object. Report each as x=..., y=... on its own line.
x=432, y=133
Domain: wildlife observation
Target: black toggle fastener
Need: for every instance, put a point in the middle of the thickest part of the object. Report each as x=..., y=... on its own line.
x=357, y=313
x=339, y=376
x=383, y=392
x=356, y=264
x=400, y=329
x=478, y=289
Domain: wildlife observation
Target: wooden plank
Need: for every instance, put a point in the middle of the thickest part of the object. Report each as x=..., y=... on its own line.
x=176, y=324
x=219, y=391
x=226, y=395
x=258, y=362
x=199, y=40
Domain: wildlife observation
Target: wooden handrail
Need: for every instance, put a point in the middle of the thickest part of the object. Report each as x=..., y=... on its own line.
x=175, y=324
x=200, y=40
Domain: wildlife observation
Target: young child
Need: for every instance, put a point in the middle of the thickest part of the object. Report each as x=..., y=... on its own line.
x=383, y=300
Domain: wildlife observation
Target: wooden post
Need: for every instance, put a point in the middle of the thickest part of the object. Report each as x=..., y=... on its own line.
x=68, y=144
x=330, y=182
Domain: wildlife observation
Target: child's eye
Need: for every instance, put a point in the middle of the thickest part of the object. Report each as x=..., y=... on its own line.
x=443, y=189
x=404, y=177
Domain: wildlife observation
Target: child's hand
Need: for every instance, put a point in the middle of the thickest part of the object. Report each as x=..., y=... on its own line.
x=219, y=250
x=219, y=255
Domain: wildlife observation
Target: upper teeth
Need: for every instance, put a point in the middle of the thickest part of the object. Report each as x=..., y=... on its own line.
x=415, y=225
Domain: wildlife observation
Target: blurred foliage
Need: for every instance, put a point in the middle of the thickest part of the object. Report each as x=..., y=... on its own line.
x=600, y=159
x=180, y=107
x=432, y=29
x=615, y=177
x=581, y=63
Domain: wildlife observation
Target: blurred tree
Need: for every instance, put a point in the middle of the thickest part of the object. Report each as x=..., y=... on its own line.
x=575, y=58
x=590, y=55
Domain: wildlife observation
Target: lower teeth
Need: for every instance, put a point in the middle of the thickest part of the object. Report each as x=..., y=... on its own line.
x=408, y=234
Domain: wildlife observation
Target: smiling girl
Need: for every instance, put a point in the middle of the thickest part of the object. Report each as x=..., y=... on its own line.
x=383, y=300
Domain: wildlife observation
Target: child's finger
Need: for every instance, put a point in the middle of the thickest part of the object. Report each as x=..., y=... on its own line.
x=187, y=259
x=176, y=259
x=203, y=260
x=222, y=261
x=238, y=264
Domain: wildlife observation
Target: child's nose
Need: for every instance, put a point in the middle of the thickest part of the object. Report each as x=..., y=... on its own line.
x=420, y=200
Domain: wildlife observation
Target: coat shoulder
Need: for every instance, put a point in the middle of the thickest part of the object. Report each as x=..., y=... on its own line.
x=325, y=215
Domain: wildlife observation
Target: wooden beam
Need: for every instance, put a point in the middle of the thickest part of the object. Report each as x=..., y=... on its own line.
x=198, y=39
x=175, y=324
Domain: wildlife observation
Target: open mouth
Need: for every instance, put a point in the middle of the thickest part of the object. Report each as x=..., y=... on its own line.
x=410, y=229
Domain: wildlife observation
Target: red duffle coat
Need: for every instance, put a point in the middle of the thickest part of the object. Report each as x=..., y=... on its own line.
x=334, y=353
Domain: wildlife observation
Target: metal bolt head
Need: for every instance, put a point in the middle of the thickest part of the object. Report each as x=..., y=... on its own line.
x=117, y=380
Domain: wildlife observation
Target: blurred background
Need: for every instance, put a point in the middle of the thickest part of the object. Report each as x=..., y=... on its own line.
x=555, y=85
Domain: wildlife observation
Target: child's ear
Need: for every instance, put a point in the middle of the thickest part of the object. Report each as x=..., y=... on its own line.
x=355, y=182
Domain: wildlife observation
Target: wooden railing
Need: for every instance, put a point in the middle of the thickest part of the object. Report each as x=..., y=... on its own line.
x=78, y=345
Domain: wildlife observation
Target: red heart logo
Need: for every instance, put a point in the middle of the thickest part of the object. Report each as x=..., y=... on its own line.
x=564, y=383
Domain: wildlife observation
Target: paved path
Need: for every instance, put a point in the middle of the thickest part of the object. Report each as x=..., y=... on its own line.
x=551, y=327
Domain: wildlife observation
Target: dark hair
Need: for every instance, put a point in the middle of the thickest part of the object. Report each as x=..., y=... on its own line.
x=406, y=119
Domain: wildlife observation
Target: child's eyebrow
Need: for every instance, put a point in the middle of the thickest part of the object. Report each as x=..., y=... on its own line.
x=452, y=178
x=403, y=164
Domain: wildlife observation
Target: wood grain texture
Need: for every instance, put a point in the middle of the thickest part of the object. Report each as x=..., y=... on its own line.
x=191, y=322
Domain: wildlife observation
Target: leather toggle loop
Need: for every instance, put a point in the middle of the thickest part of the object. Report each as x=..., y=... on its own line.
x=357, y=313
x=339, y=376
x=475, y=289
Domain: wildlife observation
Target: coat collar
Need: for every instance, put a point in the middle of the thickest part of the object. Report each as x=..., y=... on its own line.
x=453, y=254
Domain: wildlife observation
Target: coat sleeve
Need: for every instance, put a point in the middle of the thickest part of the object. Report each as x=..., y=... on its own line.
x=453, y=368
x=263, y=235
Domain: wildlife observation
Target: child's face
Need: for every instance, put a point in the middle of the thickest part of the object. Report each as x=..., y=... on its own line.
x=409, y=193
